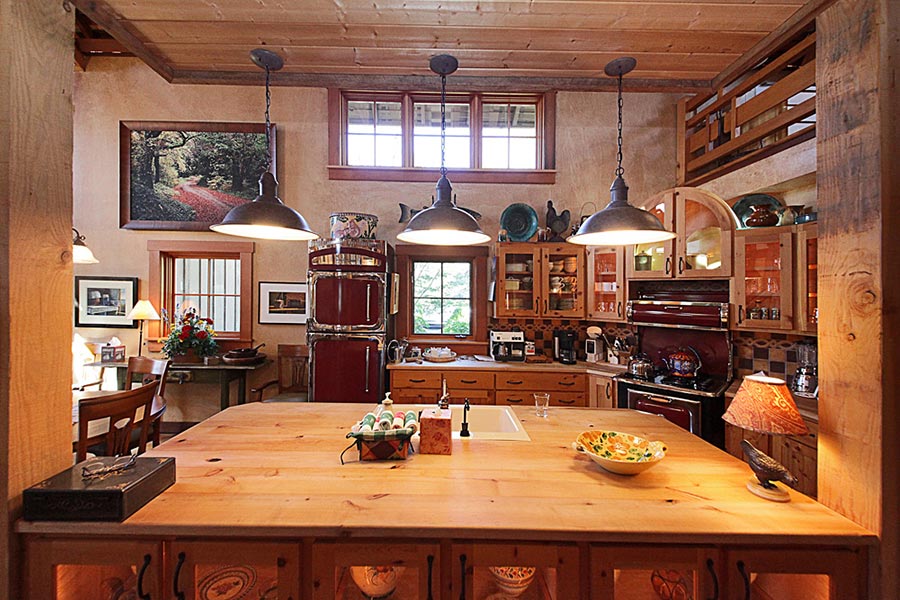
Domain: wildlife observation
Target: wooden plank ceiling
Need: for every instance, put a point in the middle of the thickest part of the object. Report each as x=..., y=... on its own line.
x=513, y=44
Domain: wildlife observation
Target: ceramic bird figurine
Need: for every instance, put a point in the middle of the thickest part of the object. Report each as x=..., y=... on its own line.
x=766, y=468
x=557, y=223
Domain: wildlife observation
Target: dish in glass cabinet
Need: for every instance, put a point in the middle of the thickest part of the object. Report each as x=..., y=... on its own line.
x=743, y=208
x=621, y=453
x=376, y=582
x=520, y=222
x=512, y=581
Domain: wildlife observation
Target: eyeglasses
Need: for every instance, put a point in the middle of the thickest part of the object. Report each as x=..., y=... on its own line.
x=97, y=469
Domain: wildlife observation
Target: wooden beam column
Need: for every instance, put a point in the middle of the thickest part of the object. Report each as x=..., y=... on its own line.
x=35, y=256
x=859, y=271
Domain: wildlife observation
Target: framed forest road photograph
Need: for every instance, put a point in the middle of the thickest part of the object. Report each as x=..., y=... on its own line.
x=186, y=176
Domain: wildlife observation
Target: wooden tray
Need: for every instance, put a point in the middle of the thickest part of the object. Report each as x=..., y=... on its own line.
x=245, y=361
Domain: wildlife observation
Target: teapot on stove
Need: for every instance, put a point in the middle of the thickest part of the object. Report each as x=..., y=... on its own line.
x=684, y=362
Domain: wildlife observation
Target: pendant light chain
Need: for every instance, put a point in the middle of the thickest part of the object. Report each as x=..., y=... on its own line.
x=443, y=120
x=268, y=142
x=619, y=170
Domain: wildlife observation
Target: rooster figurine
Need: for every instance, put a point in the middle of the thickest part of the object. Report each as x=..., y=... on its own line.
x=557, y=222
x=767, y=469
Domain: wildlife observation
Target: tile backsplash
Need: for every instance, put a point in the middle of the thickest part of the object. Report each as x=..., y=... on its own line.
x=540, y=331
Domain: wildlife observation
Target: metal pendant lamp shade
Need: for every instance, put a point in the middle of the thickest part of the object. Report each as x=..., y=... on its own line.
x=81, y=254
x=443, y=224
x=620, y=223
x=266, y=217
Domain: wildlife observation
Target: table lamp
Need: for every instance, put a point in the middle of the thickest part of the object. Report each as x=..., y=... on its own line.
x=142, y=311
x=764, y=405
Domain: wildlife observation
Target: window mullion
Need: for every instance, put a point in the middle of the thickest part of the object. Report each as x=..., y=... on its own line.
x=475, y=129
x=406, y=129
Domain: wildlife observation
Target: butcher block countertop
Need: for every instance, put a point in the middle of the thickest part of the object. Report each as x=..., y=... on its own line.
x=557, y=367
x=272, y=470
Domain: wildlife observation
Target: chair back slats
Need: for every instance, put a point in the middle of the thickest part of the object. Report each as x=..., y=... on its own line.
x=145, y=370
x=125, y=410
x=293, y=368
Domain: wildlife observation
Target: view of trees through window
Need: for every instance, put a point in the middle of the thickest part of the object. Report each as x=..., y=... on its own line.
x=442, y=300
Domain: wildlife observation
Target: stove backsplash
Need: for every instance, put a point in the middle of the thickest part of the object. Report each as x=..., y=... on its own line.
x=541, y=331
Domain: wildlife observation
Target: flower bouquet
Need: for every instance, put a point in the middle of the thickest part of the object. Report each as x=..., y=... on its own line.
x=189, y=334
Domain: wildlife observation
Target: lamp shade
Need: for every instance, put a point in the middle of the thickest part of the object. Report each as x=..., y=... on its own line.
x=443, y=224
x=764, y=404
x=143, y=311
x=81, y=254
x=266, y=217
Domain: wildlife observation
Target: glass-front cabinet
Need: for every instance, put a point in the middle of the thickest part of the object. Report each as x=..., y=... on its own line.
x=763, y=278
x=606, y=283
x=807, y=277
x=639, y=573
x=353, y=571
x=535, y=280
x=562, y=281
x=518, y=280
x=704, y=226
x=523, y=571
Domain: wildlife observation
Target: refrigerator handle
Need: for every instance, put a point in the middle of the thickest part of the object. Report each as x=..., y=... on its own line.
x=368, y=305
x=368, y=351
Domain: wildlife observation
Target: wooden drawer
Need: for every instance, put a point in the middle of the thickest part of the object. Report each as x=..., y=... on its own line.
x=542, y=382
x=474, y=396
x=464, y=380
x=526, y=398
x=415, y=396
x=415, y=379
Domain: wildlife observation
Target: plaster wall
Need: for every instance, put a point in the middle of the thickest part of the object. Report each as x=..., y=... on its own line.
x=122, y=89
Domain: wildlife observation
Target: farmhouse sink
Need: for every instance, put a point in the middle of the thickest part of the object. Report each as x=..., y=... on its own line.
x=485, y=422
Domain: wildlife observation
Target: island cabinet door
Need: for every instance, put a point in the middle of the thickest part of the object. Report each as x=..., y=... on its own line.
x=626, y=572
x=94, y=568
x=232, y=569
x=835, y=574
x=526, y=571
x=351, y=571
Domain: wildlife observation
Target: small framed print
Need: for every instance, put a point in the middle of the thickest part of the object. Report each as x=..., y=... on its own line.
x=283, y=303
x=105, y=301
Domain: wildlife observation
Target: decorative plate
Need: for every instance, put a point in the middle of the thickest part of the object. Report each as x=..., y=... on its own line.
x=621, y=453
x=227, y=583
x=744, y=207
x=520, y=222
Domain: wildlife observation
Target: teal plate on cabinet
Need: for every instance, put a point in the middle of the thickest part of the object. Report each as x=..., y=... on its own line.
x=744, y=207
x=520, y=222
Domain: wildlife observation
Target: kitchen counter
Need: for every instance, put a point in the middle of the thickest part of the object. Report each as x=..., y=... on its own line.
x=581, y=366
x=273, y=471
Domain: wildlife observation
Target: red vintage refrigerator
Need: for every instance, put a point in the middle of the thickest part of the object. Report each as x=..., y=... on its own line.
x=350, y=284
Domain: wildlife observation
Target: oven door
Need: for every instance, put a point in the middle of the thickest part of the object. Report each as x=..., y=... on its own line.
x=684, y=412
x=347, y=302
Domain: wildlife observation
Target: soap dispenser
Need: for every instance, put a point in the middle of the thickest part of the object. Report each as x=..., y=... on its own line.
x=386, y=405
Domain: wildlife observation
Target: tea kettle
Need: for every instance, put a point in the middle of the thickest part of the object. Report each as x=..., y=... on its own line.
x=684, y=362
x=396, y=350
x=641, y=366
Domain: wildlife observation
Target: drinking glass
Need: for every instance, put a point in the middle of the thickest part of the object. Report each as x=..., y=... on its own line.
x=541, y=404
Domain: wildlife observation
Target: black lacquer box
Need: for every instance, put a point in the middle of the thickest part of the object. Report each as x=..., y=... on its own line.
x=70, y=496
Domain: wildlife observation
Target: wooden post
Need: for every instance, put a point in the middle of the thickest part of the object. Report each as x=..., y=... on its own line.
x=36, y=76
x=859, y=324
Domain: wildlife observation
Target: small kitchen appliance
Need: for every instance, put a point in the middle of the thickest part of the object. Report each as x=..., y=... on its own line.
x=806, y=381
x=564, y=344
x=593, y=350
x=508, y=345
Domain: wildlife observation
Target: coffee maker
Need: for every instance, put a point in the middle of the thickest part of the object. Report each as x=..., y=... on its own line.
x=806, y=380
x=508, y=345
x=564, y=346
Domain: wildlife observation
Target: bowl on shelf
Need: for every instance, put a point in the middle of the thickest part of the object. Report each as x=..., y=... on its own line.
x=376, y=581
x=556, y=266
x=515, y=267
x=513, y=581
x=621, y=453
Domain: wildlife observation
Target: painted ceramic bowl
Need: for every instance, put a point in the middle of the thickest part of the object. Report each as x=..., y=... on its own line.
x=353, y=225
x=512, y=580
x=621, y=453
x=376, y=582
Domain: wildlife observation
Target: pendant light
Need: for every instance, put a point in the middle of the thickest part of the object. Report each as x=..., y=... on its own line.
x=620, y=224
x=267, y=217
x=81, y=254
x=443, y=223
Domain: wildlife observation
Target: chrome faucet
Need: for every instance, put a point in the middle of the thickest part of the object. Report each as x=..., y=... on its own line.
x=464, y=430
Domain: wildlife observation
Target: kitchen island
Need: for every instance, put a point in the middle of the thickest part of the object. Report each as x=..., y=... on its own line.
x=263, y=484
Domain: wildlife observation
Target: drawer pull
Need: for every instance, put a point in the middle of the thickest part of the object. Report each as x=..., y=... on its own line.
x=514, y=400
x=712, y=572
x=609, y=390
x=567, y=402
x=511, y=382
x=417, y=381
x=745, y=577
x=468, y=381
x=430, y=575
x=175, y=587
x=140, y=581
x=462, y=576
x=566, y=383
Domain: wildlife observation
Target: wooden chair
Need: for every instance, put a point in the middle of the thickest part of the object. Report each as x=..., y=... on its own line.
x=293, y=376
x=123, y=411
x=147, y=370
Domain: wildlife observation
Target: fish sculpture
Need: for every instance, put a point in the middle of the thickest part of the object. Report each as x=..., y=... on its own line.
x=407, y=212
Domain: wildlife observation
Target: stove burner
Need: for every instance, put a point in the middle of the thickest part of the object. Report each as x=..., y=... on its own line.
x=702, y=384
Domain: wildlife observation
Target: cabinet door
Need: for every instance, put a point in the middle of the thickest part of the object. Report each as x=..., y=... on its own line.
x=518, y=279
x=346, y=369
x=234, y=569
x=631, y=572
x=562, y=281
x=795, y=574
x=602, y=391
x=763, y=278
x=347, y=301
x=654, y=261
x=704, y=243
x=526, y=398
x=525, y=571
x=359, y=570
x=606, y=284
x=96, y=568
x=807, y=277
x=800, y=455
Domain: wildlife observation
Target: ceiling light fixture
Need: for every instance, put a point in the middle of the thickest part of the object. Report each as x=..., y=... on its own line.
x=443, y=223
x=81, y=254
x=620, y=224
x=267, y=217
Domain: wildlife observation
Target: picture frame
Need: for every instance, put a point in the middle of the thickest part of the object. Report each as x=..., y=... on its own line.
x=283, y=303
x=185, y=176
x=105, y=301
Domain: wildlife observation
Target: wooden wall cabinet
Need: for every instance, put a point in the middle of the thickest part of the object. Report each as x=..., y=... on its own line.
x=539, y=280
x=601, y=391
x=704, y=225
x=763, y=279
x=606, y=292
x=807, y=278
